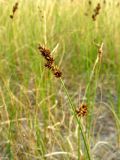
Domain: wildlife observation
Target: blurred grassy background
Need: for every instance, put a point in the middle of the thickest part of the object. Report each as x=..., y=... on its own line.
x=35, y=118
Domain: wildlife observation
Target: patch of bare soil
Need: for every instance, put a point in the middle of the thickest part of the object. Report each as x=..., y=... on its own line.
x=105, y=135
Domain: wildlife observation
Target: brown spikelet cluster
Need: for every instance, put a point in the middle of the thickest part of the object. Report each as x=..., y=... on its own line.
x=104, y=1
x=90, y=2
x=82, y=110
x=50, y=61
x=15, y=7
x=96, y=12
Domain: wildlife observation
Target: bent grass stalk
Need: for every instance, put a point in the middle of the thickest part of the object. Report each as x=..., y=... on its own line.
x=46, y=53
x=99, y=56
x=77, y=119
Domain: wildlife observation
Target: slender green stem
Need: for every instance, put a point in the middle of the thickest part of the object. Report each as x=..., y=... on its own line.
x=79, y=154
x=78, y=120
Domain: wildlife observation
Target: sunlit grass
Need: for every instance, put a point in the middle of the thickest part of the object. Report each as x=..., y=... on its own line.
x=36, y=120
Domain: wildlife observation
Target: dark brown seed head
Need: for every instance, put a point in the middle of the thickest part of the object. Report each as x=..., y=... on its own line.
x=15, y=7
x=98, y=6
x=46, y=54
x=44, y=50
x=94, y=17
x=104, y=1
x=89, y=2
x=58, y=73
x=50, y=61
x=11, y=16
x=82, y=110
x=96, y=11
x=48, y=65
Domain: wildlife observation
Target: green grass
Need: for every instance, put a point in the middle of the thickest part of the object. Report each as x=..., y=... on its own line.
x=37, y=111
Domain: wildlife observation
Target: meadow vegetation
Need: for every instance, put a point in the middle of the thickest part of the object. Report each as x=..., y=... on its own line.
x=70, y=115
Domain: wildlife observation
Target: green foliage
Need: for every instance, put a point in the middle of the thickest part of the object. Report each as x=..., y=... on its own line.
x=35, y=114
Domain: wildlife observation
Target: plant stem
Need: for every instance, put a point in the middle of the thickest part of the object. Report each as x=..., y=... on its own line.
x=78, y=120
